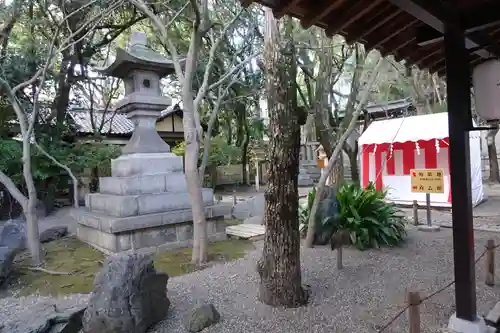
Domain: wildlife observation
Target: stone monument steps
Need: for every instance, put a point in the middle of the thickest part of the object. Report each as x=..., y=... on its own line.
x=132, y=205
x=167, y=230
x=143, y=184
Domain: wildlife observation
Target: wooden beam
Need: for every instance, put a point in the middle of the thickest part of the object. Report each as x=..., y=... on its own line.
x=396, y=32
x=430, y=55
x=432, y=14
x=284, y=7
x=319, y=11
x=427, y=35
x=350, y=16
x=375, y=23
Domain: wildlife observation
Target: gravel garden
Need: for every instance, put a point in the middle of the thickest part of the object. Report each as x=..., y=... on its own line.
x=386, y=259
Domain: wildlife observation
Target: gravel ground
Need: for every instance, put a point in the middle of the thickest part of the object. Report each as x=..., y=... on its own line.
x=360, y=298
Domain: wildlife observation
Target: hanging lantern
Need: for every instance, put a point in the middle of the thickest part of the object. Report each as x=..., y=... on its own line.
x=486, y=82
x=417, y=147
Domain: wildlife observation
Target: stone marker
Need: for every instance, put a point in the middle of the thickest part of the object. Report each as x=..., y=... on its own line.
x=201, y=317
x=129, y=296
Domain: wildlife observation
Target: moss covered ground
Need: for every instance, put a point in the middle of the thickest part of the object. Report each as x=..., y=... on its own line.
x=82, y=263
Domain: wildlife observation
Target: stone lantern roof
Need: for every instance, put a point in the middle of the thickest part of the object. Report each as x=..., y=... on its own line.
x=138, y=56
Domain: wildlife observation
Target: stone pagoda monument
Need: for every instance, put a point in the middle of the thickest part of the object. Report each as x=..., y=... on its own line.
x=145, y=202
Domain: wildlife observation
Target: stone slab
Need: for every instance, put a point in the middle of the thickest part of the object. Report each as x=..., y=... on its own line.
x=146, y=164
x=147, y=184
x=170, y=236
x=112, y=225
x=142, y=204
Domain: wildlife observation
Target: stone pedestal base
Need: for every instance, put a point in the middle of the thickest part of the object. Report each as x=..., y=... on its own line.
x=168, y=230
x=145, y=204
x=463, y=326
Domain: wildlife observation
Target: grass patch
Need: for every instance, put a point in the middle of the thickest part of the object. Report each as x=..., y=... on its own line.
x=83, y=261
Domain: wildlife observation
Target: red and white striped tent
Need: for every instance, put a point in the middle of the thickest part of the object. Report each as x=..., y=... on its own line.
x=391, y=148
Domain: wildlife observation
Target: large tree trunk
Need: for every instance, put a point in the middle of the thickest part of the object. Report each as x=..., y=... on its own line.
x=492, y=156
x=244, y=153
x=279, y=267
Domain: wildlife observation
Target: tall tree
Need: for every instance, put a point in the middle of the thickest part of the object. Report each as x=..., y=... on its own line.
x=201, y=29
x=26, y=107
x=279, y=267
x=343, y=132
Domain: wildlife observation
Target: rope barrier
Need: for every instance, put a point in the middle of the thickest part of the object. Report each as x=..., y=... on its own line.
x=431, y=295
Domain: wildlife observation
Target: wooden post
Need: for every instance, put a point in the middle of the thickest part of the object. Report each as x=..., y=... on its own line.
x=339, y=257
x=428, y=207
x=490, y=263
x=257, y=175
x=413, y=299
x=415, y=212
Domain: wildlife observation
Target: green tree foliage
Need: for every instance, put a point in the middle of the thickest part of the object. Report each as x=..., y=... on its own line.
x=220, y=152
x=77, y=157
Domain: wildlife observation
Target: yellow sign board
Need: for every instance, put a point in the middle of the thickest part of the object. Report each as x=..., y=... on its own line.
x=427, y=180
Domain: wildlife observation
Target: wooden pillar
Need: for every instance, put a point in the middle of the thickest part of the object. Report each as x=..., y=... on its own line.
x=257, y=175
x=459, y=121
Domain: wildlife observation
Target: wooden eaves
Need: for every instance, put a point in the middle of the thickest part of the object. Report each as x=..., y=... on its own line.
x=411, y=30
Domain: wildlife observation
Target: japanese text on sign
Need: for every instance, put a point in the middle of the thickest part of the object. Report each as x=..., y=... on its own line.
x=427, y=180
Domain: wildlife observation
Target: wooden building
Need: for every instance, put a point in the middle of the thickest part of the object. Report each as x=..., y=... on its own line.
x=116, y=128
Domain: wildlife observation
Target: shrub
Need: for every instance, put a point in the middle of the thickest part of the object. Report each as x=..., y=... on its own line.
x=370, y=220
x=363, y=213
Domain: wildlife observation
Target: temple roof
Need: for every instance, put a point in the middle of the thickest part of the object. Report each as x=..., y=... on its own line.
x=411, y=30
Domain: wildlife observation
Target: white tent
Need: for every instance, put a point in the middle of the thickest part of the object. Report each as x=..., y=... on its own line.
x=390, y=148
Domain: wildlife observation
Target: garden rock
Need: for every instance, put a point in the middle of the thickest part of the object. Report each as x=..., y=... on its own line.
x=53, y=234
x=253, y=206
x=13, y=235
x=6, y=259
x=49, y=319
x=201, y=317
x=129, y=296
